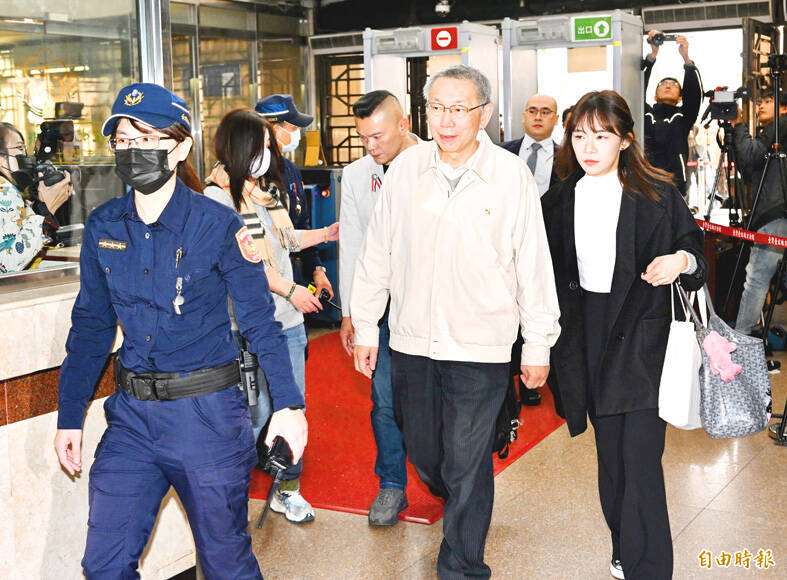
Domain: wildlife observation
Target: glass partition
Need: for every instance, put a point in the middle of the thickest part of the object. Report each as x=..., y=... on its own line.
x=61, y=65
x=226, y=65
x=227, y=55
x=280, y=56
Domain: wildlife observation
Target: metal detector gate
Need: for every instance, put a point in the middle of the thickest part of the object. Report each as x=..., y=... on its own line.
x=391, y=57
x=620, y=31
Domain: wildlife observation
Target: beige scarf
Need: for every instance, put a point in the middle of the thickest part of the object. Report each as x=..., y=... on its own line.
x=270, y=199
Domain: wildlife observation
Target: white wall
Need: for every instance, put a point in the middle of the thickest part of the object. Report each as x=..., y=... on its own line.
x=555, y=80
x=45, y=512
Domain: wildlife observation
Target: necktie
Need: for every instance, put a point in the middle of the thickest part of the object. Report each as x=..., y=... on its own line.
x=531, y=160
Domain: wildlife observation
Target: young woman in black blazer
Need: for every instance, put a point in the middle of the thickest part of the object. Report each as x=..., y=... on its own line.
x=620, y=234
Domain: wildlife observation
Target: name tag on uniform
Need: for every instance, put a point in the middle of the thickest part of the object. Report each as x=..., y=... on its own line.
x=107, y=244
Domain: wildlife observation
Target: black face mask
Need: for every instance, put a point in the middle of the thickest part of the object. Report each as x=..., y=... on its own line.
x=144, y=170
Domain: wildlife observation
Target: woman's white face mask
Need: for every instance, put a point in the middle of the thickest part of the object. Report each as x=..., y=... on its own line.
x=260, y=165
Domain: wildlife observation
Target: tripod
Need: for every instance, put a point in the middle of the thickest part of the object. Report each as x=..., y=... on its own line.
x=777, y=429
x=730, y=175
x=777, y=64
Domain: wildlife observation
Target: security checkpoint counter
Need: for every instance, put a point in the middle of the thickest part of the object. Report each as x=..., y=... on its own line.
x=45, y=511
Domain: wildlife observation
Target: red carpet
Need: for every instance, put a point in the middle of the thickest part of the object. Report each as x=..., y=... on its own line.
x=338, y=467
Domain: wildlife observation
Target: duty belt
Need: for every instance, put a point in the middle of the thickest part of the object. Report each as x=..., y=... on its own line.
x=169, y=386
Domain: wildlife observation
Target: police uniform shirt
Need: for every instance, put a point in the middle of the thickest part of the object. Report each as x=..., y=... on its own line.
x=129, y=271
x=543, y=172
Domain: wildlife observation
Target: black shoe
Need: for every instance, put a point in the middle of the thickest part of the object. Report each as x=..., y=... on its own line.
x=773, y=366
x=529, y=397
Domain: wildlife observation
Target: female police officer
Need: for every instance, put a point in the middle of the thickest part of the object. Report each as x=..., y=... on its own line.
x=161, y=260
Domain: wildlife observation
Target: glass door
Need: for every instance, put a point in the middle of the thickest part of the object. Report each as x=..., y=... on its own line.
x=214, y=62
x=227, y=67
x=185, y=75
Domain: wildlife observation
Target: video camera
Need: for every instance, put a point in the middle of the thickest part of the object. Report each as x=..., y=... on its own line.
x=777, y=62
x=723, y=106
x=39, y=167
x=661, y=38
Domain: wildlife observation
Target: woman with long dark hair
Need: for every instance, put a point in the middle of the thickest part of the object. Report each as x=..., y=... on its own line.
x=247, y=177
x=620, y=234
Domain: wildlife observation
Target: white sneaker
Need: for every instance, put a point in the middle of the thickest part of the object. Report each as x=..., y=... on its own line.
x=294, y=507
x=616, y=569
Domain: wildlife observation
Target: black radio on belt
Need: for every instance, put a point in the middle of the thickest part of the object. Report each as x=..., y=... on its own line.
x=248, y=364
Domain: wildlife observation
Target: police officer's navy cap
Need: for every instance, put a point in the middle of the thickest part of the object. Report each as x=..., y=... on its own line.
x=281, y=108
x=150, y=103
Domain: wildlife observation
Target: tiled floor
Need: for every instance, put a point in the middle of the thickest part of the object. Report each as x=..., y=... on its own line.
x=724, y=496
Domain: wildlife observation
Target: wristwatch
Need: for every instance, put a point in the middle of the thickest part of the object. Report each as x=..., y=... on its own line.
x=322, y=268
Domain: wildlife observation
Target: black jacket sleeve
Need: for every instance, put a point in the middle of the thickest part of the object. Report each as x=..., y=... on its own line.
x=749, y=153
x=691, y=92
x=689, y=237
x=647, y=66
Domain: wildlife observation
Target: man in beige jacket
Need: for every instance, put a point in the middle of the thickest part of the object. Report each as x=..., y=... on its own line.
x=457, y=241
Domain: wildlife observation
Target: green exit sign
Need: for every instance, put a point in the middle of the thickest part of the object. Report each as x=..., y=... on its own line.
x=593, y=28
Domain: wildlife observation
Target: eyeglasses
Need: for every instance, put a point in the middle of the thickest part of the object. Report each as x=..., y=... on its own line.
x=669, y=83
x=456, y=111
x=141, y=142
x=545, y=112
x=18, y=150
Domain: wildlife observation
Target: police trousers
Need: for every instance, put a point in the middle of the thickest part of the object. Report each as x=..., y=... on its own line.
x=204, y=448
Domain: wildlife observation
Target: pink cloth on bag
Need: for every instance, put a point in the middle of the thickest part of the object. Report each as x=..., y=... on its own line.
x=718, y=349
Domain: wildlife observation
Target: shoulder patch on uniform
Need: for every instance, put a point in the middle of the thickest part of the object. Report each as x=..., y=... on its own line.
x=109, y=244
x=246, y=245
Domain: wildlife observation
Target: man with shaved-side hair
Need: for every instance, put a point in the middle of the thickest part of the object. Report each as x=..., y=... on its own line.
x=383, y=129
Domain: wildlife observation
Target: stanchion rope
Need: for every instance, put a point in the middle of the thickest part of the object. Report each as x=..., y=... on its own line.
x=740, y=233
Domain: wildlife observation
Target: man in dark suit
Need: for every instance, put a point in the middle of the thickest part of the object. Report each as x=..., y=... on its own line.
x=537, y=147
x=538, y=150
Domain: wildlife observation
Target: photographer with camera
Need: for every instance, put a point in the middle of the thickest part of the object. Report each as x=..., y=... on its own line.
x=25, y=226
x=769, y=215
x=668, y=122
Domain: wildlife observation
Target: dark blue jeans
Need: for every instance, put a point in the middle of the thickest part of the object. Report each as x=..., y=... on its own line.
x=390, y=465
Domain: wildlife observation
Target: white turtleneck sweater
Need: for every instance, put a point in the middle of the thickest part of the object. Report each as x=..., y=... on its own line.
x=596, y=213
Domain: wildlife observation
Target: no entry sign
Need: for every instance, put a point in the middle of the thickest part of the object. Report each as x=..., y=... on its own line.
x=445, y=38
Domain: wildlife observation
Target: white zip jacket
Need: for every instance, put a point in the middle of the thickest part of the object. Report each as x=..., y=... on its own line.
x=464, y=269
x=362, y=182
